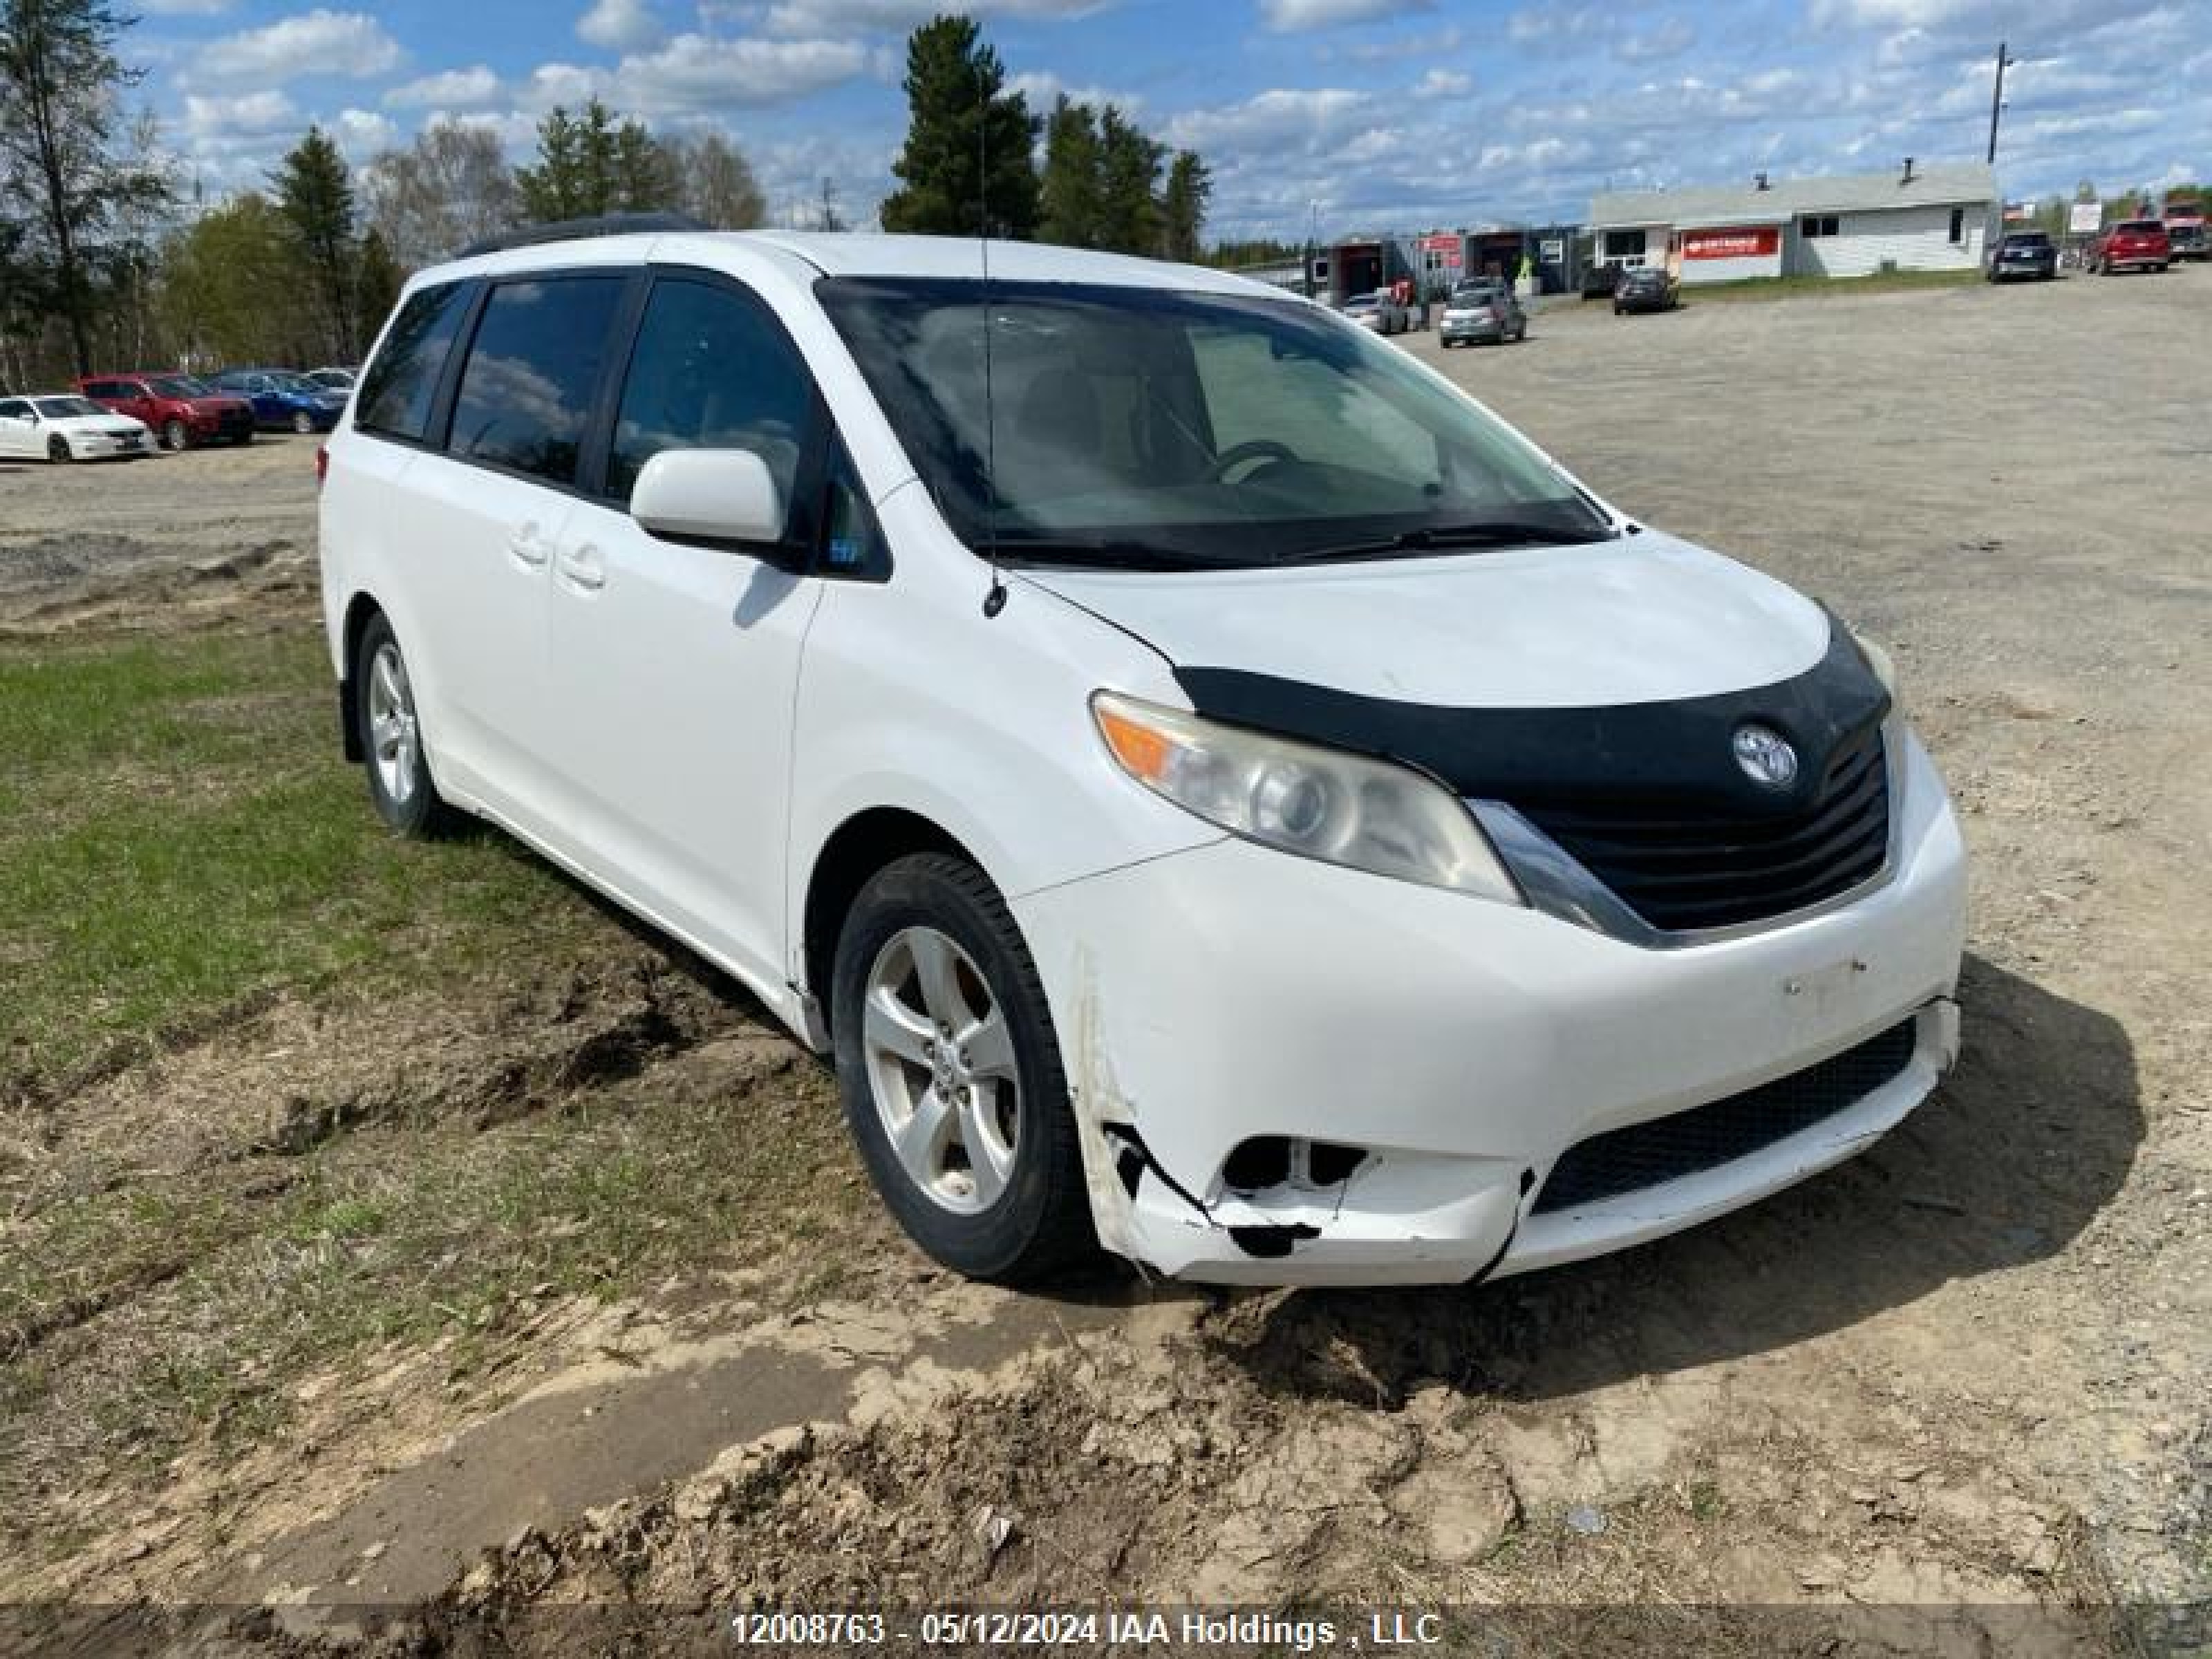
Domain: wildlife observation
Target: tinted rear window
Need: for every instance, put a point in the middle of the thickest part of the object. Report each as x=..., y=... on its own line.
x=396, y=393
x=526, y=392
x=2141, y=226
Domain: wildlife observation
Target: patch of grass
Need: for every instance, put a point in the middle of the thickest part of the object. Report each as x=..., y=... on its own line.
x=185, y=833
x=1791, y=288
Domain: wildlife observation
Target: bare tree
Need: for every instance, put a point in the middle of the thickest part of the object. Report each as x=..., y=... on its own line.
x=715, y=183
x=452, y=186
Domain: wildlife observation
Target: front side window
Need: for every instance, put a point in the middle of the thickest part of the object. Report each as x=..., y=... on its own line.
x=709, y=371
x=396, y=392
x=527, y=391
x=67, y=409
x=179, y=385
x=1140, y=425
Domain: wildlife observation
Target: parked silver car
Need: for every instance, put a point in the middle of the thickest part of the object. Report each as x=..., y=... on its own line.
x=1377, y=312
x=1482, y=312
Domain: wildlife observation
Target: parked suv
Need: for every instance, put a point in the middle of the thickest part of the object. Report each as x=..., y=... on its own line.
x=2134, y=245
x=179, y=409
x=2028, y=253
x=283, y=401
x=1216, y=790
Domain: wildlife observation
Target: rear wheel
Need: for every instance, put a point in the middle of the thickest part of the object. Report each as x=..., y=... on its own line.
x=176, y=436
x=950, y=1073
x=390, y=733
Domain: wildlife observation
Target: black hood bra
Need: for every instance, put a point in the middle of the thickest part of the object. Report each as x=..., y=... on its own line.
x=1654, y=755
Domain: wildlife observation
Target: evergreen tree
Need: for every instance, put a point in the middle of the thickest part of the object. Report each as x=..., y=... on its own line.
x=968, y=140
x=589, y=164
x=378, y=279
x=1182, y=207
x=1128, y=176
x=60, y=169
x=1068, y=192
x=314, y=194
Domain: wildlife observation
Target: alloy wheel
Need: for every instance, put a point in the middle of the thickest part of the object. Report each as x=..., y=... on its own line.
x=941, y=1065
x=394, y=736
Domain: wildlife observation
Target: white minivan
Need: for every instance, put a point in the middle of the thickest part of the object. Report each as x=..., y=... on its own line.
x=1219, y=794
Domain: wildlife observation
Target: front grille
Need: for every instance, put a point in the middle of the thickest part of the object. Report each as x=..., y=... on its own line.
x=1682, y=871
x=1627, y=1160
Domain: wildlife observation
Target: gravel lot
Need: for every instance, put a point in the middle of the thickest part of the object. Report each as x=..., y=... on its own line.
x=1964, y=1375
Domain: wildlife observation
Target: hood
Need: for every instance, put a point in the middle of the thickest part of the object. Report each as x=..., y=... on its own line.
x=1645, y=618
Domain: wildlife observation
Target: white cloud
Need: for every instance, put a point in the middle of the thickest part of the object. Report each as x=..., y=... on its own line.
x=351, y=44
x=698, y=73
x=360, y=133
x=1444, y=84
x=1041, y=87
x=183, y=7
x=210, y=120
x=1284, y=17
x=462, y=88
x=620, y=25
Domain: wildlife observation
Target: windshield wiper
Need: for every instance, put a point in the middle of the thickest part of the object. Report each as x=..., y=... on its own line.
x=1037, y=547
x=1487, y=532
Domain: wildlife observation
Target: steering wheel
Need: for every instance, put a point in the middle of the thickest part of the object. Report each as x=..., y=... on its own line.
x=1256, y=449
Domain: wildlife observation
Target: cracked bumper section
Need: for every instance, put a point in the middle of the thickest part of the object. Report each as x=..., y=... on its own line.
x=1229, y=992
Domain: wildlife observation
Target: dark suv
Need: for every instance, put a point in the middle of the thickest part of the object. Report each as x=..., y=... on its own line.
x=180, y=410
x=2024, y=253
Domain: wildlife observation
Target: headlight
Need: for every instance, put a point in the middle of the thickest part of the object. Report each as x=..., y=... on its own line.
x=1301, y=798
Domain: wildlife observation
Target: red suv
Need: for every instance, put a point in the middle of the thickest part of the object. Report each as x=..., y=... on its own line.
x=180, y=410
x=2137, y=242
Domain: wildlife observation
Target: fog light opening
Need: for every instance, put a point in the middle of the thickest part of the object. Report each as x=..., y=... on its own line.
x=1266, y=1162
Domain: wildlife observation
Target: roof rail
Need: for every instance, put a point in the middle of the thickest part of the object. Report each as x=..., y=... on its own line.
x=571, y=230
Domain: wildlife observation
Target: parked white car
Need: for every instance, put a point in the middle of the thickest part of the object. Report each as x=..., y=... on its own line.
x=1379, y=313
x=64, y=426
x=1217, y=790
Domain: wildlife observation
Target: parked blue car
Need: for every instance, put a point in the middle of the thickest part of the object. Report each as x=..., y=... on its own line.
x=283, y=401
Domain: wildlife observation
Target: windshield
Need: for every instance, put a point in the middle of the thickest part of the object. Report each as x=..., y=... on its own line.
x=178, y=385
x=1141, y=426
x=62, y=408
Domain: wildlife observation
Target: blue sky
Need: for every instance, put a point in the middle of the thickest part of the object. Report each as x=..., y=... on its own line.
x=1399, y=112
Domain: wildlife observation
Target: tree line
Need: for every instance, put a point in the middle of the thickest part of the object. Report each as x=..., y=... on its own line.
x=107, y=261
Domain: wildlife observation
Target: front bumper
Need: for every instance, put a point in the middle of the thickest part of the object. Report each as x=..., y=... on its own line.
x=1231, y=993
x=89, y=446
x=1474, y=330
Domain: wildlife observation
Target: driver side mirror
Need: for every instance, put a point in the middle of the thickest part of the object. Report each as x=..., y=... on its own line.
x=720, y=497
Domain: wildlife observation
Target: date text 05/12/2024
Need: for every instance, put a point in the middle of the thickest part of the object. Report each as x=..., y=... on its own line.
x=1077, y=1630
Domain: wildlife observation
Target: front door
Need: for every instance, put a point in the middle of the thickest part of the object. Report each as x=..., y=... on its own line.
x=19, y=432
x=676, y=668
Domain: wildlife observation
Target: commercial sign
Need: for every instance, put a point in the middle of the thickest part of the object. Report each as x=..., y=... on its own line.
x=2086, y=218
x=1743, y=242
x=1447, y=246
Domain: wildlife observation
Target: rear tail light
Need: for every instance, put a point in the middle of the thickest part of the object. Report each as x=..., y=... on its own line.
x=322, y=464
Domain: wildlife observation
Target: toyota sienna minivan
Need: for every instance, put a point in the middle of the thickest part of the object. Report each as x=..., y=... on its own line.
x=1217, y=792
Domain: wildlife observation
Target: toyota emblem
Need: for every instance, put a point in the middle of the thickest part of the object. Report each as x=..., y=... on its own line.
x=1765, y=757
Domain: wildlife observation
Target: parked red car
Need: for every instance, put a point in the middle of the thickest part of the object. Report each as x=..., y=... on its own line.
x=2141, y=243
x=180, y=409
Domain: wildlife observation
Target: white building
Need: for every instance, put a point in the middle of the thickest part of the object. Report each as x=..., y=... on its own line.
x=1934, y=218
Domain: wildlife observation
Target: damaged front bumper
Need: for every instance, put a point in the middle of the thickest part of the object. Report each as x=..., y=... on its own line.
x=1455, y=1048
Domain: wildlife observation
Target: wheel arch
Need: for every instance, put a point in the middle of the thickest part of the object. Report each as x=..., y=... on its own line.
x=863, y=844
x=359, y=611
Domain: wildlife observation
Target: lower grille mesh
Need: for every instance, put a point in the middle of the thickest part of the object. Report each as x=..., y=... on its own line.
x=1641, y=1155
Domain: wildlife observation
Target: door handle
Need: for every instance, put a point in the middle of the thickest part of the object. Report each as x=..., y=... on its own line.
x=583, y=568
x=528, y=548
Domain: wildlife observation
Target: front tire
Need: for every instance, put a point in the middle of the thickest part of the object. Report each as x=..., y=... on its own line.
x=58, y=452
x=951, y=1074
x=303, y=424
x=390, y=735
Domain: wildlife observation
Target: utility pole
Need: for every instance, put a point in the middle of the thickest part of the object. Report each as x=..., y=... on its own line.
x=1996, y=98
